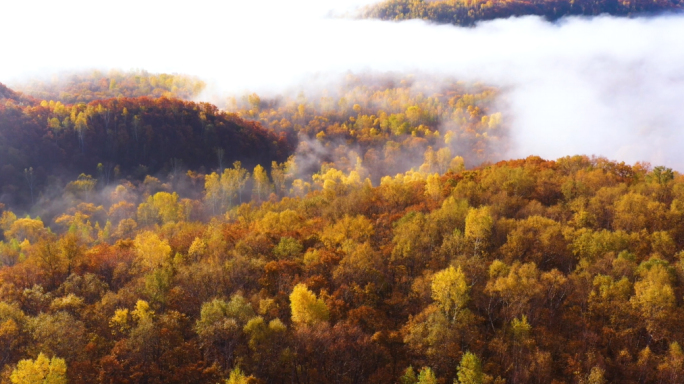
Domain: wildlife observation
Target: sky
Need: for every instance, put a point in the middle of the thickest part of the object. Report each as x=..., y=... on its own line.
x=597, y=86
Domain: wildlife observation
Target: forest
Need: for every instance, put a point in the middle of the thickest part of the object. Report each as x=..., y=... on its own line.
x=366, y=234
x=469, y=12
x=386, y=122
x=44, y=144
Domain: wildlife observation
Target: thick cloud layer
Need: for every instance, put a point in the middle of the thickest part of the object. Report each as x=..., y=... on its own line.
x=604, y=86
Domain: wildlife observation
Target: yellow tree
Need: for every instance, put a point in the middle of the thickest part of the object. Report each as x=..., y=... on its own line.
x=47, y=255
x=10, y=252
x=517, y=286
x=409, y=376
x=348, y=230
x=430, y=163
x=470, y=370
x=152, y=251
x=451, y=291
x=6, y=220
x=80, y=126
x=433, y=187
x=26, y=229
x=12, y=330
x=654, y=297
x=443, y=159
x=596, y=376
x=212, y=191
x=237, y=377
x=278, y=175
x=233, y=181
x=427, y=376
x=457, y=164
x=83, y=185
x=306, y=307
x=478, y=228
x=262, y=184
x=71, y=250
x=160, y=208
x=40, y=371
x=282, y=174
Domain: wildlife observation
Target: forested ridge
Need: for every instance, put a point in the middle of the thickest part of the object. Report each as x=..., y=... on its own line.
x=45, y=143
x=380, y=124
x=523, y=271
x=469, y=12
x=386, y=123
x=388, y=247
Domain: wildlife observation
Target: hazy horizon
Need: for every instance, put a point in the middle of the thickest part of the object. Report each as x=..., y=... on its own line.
x=598, y=86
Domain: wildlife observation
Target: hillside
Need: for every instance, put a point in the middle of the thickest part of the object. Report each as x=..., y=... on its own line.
x=363, y=232
x=524, y=271
x=378, y=125
x=48, y=143
x=467, y=12
x=17, y=97
x=386, y=123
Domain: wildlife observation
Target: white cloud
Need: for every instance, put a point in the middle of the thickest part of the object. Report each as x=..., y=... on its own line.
x=604, y=86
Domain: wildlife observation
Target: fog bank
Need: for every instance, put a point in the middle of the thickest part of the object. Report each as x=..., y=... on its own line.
x=606, y=86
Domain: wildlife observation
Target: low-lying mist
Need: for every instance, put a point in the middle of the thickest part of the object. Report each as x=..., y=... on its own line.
x=605, y=86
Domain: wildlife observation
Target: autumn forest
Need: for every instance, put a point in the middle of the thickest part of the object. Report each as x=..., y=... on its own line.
x=371, y=226
x=292, y=239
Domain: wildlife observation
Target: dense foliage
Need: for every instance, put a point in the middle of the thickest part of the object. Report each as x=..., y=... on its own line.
x=386, y=122
x=44, y=142
x=561, y=271
x=469, y=12
x=201, y=251
x=378, y=125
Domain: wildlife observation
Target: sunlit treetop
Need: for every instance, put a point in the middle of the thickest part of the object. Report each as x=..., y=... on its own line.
x=84, y=87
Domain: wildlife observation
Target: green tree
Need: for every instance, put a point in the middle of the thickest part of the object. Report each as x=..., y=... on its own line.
x=287, y=248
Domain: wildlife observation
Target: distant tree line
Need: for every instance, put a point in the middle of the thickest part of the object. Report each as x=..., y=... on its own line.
x=469, y=12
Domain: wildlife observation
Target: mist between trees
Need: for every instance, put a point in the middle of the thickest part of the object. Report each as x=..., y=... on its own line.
x=365, y=234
